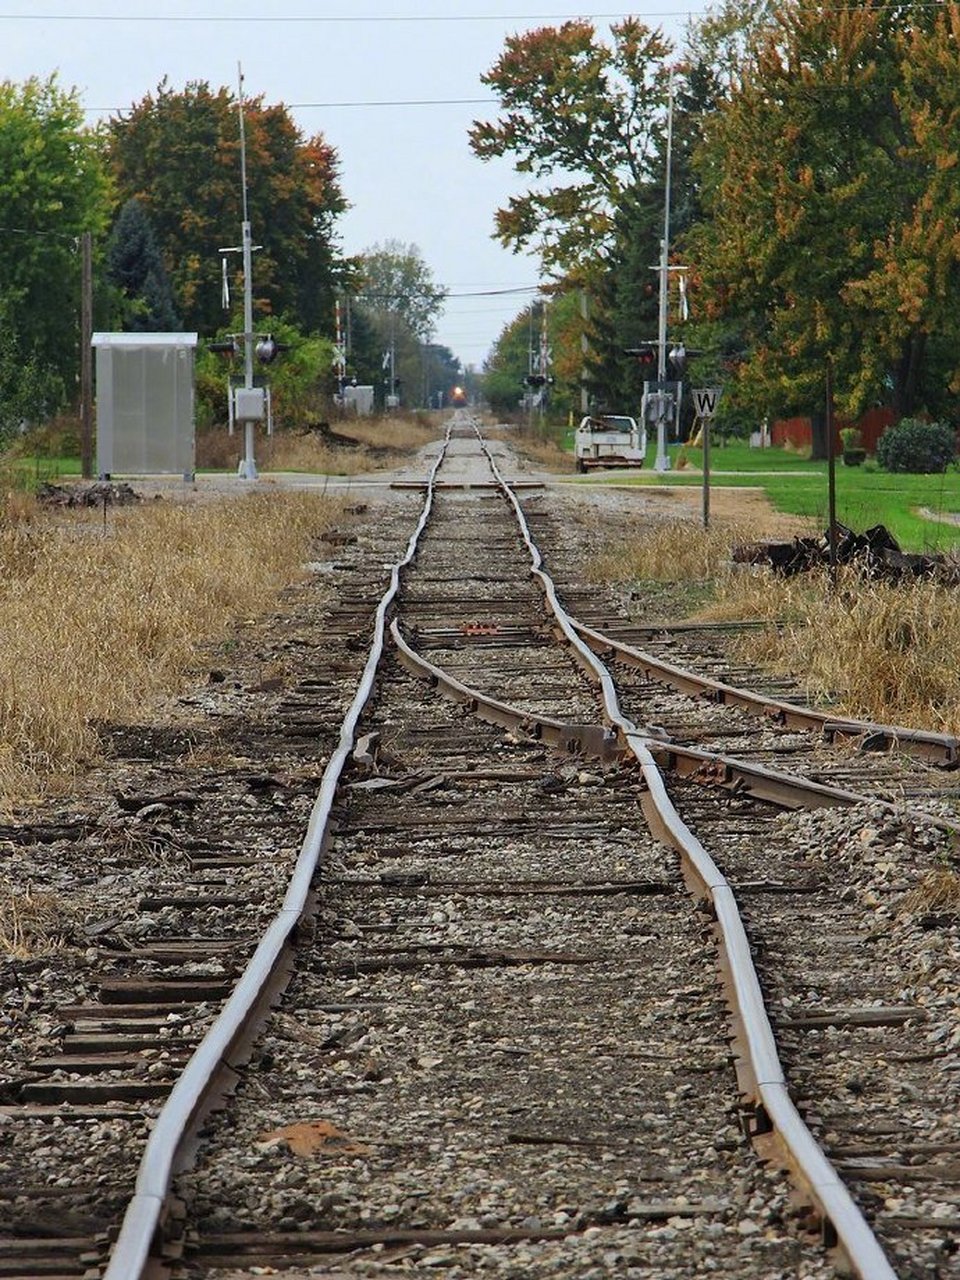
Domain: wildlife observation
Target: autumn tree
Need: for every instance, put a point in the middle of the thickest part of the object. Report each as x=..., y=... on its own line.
x=52, y=188
x=830, y=191
x=178, y=154
x=590, y=118
x=579, y=117
x=509, y=363
x=582, y=119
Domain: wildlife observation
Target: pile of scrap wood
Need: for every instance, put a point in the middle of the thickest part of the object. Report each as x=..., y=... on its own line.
x=99, y=494
x=876, y=552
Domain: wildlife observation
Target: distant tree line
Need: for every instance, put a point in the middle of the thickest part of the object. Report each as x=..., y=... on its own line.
x=815, y=199
x=159, y=188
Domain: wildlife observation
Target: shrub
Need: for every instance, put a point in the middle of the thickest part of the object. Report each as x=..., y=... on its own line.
x=919, y=447
x=851, y=438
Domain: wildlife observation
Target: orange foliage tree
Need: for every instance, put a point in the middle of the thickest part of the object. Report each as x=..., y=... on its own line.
x=178, y=153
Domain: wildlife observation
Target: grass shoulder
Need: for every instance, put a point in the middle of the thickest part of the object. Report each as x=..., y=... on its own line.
x=921, y=511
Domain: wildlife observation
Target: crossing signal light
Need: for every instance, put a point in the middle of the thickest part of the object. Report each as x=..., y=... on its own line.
x=647, y=356
x=225, y=346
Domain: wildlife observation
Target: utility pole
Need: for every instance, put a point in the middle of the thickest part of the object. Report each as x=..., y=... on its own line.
x=530, y=370
x=543, y=364
x=831, y=476
x=341, y=355
x=248, y=467
x=247, y=403
x=393, y=401
x=584, y=349
x=662, y=462
x=86, y=355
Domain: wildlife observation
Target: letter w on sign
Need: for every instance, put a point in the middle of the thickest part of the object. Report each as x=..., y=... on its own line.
x=705, y=400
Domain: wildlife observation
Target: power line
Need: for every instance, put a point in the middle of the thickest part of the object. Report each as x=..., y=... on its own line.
x=379, y=19
x=495, y=293
x=363, y=296
x=377, y=102
x=326, y=19
x=46, y=235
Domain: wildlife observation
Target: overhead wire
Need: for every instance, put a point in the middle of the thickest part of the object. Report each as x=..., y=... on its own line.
x=379, y=19
x=372, y=102
x=319, y=18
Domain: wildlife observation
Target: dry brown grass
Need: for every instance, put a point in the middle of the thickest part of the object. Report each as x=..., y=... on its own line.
x=403, y=433
x=535, y=448
x=938, y=893
x=669, y=551
x=94, y=625
x=379, y=443
x=34, y=922
x=889, y=653
x=884, y=652
x=309, y=453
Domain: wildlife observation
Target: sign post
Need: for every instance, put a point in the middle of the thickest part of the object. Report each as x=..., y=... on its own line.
x=705, y=401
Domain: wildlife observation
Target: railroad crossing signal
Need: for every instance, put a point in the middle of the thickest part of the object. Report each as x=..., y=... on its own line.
x=705, y=401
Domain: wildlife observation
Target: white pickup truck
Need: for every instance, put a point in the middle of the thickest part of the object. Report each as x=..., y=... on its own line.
x=609, y=440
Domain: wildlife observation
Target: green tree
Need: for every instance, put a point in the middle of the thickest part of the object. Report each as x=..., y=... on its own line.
x=29, y=389
x=395, y=278
x=623, y=303
x=516, y=353
x=442, y=372
x=301, y=378
x=53, y=187
x=178, y=153
x=829, y=180
x=587, y=113
x=134, y=266
x=508, y=364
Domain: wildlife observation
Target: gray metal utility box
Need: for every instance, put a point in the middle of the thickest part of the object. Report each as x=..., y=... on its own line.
x=145, y=403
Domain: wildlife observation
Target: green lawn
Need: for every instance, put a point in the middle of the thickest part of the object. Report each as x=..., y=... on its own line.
x=44, y=469
x=796, y=486
x=799, y=487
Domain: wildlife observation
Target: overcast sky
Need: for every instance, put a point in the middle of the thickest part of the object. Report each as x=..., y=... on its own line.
x=407, y=170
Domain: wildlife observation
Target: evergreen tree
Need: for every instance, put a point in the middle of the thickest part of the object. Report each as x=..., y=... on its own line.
x=135, y=267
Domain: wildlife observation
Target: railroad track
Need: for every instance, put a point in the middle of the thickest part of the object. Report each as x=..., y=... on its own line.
x=504, y=1046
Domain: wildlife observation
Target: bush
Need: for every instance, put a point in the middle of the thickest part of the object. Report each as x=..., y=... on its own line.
x=918, y=447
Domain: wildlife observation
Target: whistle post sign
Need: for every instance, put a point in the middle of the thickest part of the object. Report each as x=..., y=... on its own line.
x=705, y=401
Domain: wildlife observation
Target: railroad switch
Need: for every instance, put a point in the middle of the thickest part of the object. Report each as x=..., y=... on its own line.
x=480, y=628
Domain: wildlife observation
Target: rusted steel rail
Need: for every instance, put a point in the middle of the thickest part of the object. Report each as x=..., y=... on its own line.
x=762, y=1080
x=940, y=747
x=773, y=1117
x=209, y=1074
x=742, y=776
x=582, y=739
